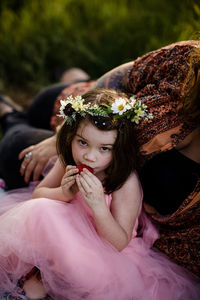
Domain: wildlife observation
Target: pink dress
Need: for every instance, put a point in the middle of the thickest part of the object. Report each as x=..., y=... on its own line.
x=75, y=263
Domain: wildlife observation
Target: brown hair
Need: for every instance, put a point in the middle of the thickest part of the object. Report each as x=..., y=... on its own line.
x=124, y=149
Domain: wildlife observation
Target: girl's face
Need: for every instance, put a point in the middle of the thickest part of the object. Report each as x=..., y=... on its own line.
x=93, y=147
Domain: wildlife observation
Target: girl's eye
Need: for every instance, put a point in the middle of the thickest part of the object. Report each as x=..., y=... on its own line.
x=105, y=149
x=82, y=143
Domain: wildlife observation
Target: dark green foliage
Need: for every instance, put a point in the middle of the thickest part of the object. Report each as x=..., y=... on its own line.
x=41, y=38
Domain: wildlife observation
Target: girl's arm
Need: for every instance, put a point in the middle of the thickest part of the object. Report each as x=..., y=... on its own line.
x=51, y=187
x=115, y=225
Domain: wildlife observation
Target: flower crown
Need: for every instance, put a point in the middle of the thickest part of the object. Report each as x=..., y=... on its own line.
x=131, y=109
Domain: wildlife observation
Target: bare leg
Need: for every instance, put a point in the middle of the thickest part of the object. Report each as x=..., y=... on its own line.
x=34, y=288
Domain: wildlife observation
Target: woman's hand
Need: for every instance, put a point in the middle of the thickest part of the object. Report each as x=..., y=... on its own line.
x=91, y=188
x=68, y=182
x=35, y=164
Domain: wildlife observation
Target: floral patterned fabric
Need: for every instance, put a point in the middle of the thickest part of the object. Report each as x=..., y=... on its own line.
x=180, y=232
x=157, y=78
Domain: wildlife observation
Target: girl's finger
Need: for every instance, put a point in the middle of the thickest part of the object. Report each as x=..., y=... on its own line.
x=79, y=184
x=68, y=179
x=90, y=178
x=71, y=170
x=85, y=185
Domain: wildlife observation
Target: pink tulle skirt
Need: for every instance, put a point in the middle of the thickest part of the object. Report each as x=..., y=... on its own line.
x=75, y=262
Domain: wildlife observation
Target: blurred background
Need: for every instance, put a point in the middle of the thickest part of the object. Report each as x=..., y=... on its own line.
x=39, y=39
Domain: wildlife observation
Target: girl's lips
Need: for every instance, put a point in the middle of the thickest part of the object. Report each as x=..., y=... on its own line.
x=80, y=168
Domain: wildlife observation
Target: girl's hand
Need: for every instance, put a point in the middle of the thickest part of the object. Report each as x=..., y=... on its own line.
x=68, y=181
x=91, y=188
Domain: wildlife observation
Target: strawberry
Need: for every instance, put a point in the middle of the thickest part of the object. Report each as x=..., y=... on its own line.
x=80, y=168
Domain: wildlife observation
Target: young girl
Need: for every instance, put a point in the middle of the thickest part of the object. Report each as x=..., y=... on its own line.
x=80, y=228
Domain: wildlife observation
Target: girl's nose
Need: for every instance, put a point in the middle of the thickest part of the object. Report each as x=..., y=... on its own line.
x=90, y=155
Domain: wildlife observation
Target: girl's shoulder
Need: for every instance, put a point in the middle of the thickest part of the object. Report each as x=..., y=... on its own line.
x=131, y=190
x=133, y=181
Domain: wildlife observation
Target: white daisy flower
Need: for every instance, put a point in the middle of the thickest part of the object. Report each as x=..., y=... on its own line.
x=119, y=106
